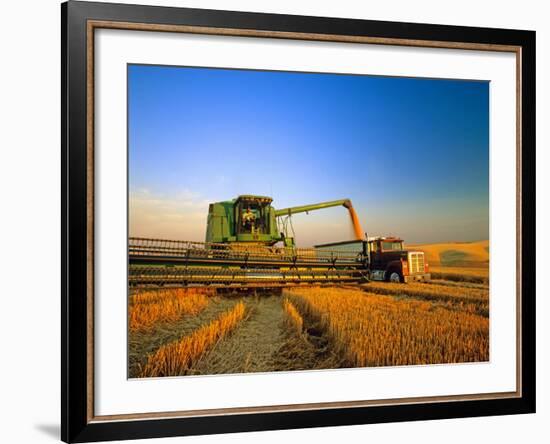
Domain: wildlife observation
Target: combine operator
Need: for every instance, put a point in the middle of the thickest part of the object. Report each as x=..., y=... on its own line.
x=249, y=220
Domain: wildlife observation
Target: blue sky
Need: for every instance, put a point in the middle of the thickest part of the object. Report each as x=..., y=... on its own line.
x=412, y=154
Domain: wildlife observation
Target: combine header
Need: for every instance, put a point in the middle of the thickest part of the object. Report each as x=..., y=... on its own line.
x=248, y=243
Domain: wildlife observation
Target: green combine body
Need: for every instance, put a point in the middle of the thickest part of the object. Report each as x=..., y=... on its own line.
x=251, y=219
x=241, y=252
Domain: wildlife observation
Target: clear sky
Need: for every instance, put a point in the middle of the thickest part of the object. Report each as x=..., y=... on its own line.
x=412, y=154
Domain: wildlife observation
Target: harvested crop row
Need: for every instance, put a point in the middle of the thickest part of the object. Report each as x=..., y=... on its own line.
x=428, y=290
x=178, y=357
x=374, y=330
x=293, y=319
x=473, y=300
x=461, y=274
x=462, y=284
x=148, y=308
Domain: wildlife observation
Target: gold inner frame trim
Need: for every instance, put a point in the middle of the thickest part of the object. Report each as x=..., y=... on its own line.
x=97, y=24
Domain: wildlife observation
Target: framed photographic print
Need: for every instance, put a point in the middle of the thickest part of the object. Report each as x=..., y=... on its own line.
x=275, y=221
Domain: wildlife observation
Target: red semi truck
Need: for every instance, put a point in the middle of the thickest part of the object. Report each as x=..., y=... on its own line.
x=386, y=258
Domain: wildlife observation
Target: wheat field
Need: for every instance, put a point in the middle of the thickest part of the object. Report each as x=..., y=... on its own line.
x=478, y=275
x=178, y=357
x=293, y=319
x=147, y=308
x=377, y=330
x=198, y=331
x=473, y=300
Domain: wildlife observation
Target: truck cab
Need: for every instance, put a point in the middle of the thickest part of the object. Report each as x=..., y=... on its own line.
x=385, y=257
x=391, y=262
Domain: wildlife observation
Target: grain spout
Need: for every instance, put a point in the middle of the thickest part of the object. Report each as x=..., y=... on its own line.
x=358, y=231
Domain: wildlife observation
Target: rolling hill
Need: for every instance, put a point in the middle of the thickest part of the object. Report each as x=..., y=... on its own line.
x=455, y=254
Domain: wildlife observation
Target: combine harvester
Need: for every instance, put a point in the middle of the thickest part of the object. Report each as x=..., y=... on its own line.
x=251, y=244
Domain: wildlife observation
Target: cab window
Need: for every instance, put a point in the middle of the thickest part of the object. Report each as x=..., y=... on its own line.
x=252, y=218
x=392, y=246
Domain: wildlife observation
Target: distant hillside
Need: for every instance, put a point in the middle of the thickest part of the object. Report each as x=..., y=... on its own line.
x=455, y=254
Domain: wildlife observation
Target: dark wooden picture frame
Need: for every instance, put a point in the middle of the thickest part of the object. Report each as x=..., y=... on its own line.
x=79, y=20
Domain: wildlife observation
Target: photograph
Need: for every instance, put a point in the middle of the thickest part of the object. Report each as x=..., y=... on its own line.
x=293, y=221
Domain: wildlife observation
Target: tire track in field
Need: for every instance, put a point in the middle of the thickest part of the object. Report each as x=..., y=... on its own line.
x=252, y=347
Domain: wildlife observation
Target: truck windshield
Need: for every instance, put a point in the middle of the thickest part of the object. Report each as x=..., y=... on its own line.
x=392, y=246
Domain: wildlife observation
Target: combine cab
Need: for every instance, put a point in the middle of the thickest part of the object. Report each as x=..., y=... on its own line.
x=245, y=220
